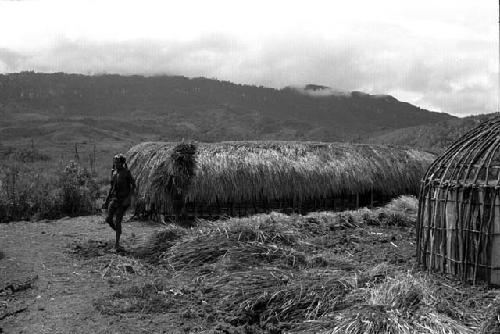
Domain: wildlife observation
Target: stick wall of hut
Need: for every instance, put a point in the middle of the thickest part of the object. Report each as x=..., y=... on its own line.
x=457, y=231
x=495, y=243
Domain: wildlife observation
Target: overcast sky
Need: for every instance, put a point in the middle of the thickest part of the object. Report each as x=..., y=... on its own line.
x=437, y=54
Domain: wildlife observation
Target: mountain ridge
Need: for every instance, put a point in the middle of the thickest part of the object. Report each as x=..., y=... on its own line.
x=59, y=109
x=435, y=137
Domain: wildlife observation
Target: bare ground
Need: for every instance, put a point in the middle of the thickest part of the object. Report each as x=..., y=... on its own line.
x=49, y=278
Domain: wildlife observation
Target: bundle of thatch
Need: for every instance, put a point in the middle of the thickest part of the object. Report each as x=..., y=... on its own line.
x=164, y=174
x=262, y=172
x=492, y=324
x=374, y=319
x=160, y=242
x=235, y=244
x=403, y=304
x=268, y=295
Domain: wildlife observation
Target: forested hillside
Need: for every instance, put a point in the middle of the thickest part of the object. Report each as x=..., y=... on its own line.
x=431, y=137
x=63, y=107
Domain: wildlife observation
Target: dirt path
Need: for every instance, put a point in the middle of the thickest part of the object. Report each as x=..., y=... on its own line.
x=45, y=288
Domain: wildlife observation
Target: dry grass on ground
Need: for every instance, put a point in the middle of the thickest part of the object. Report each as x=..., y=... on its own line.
x=349, y=272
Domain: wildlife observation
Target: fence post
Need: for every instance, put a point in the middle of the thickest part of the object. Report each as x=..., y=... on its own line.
x=77, y=156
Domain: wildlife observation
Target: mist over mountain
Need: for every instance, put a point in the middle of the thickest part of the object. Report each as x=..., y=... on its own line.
x=58, y=108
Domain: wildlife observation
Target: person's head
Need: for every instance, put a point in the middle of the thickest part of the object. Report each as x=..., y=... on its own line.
x=119, y=161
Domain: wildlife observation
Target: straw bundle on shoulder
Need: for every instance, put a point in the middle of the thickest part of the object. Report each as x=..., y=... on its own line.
x=163, y=173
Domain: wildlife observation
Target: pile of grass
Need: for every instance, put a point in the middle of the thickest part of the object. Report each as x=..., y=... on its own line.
x=120, y=267
x=250, y=172
x=160, y=242
x=236, y=243
x=255, y=269
x=379, y=319
x=274, y=273
x=331, y=301
x=270, y=239
x=492, y=324
x=268, y=295
x=400, y=304
x=400, y=212
x=148, y=298
x=404, y=204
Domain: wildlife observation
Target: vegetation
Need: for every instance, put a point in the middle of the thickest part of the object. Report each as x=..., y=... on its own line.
x=344, y=272
x=251, y=172
x=320, y=273
x=435, y=138
x=45, y=190
x=112, y=109
x=23, y=155
x=325, y=272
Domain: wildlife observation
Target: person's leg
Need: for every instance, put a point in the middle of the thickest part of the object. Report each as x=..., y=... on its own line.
x=118, y=225
x=112, y=209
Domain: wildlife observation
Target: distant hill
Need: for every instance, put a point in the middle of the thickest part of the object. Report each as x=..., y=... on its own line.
x=430, y=137
x=116, y=111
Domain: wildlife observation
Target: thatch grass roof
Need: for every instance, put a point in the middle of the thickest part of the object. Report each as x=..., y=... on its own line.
x=252, y=171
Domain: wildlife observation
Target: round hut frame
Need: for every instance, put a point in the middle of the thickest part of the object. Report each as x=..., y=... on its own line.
x=458, y=222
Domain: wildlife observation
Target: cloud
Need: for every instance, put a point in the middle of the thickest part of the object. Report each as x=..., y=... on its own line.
x=10, y=60
x=131, y=57
x=436, y=54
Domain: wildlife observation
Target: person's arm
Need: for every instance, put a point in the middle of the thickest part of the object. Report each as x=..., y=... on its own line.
x=132, y=182
x=108, y=198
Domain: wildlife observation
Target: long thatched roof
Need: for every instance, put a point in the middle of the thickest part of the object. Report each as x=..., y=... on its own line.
x=252, y=171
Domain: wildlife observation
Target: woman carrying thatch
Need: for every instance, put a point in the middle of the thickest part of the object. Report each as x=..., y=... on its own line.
x=119, y=196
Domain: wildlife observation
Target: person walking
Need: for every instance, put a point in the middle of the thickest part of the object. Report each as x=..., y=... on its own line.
x=119, y=196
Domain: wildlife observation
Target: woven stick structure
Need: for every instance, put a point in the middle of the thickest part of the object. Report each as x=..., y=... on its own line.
x=458, y=223
x=241, y=178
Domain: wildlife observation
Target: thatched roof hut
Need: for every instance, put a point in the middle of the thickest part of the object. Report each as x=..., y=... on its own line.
x=271, y=174
x=458, y=225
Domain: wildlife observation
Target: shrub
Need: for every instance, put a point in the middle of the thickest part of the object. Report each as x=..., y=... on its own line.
x=44, y=191
x=78, y=190
x=404, y=204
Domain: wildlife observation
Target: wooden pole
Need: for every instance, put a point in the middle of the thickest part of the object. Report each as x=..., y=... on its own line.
x=371, y=198
x=77, y=156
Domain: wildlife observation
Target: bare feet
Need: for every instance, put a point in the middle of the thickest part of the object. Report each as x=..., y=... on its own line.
x=120, y=249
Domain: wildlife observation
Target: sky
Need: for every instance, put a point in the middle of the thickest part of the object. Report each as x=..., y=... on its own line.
x=440, y=55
